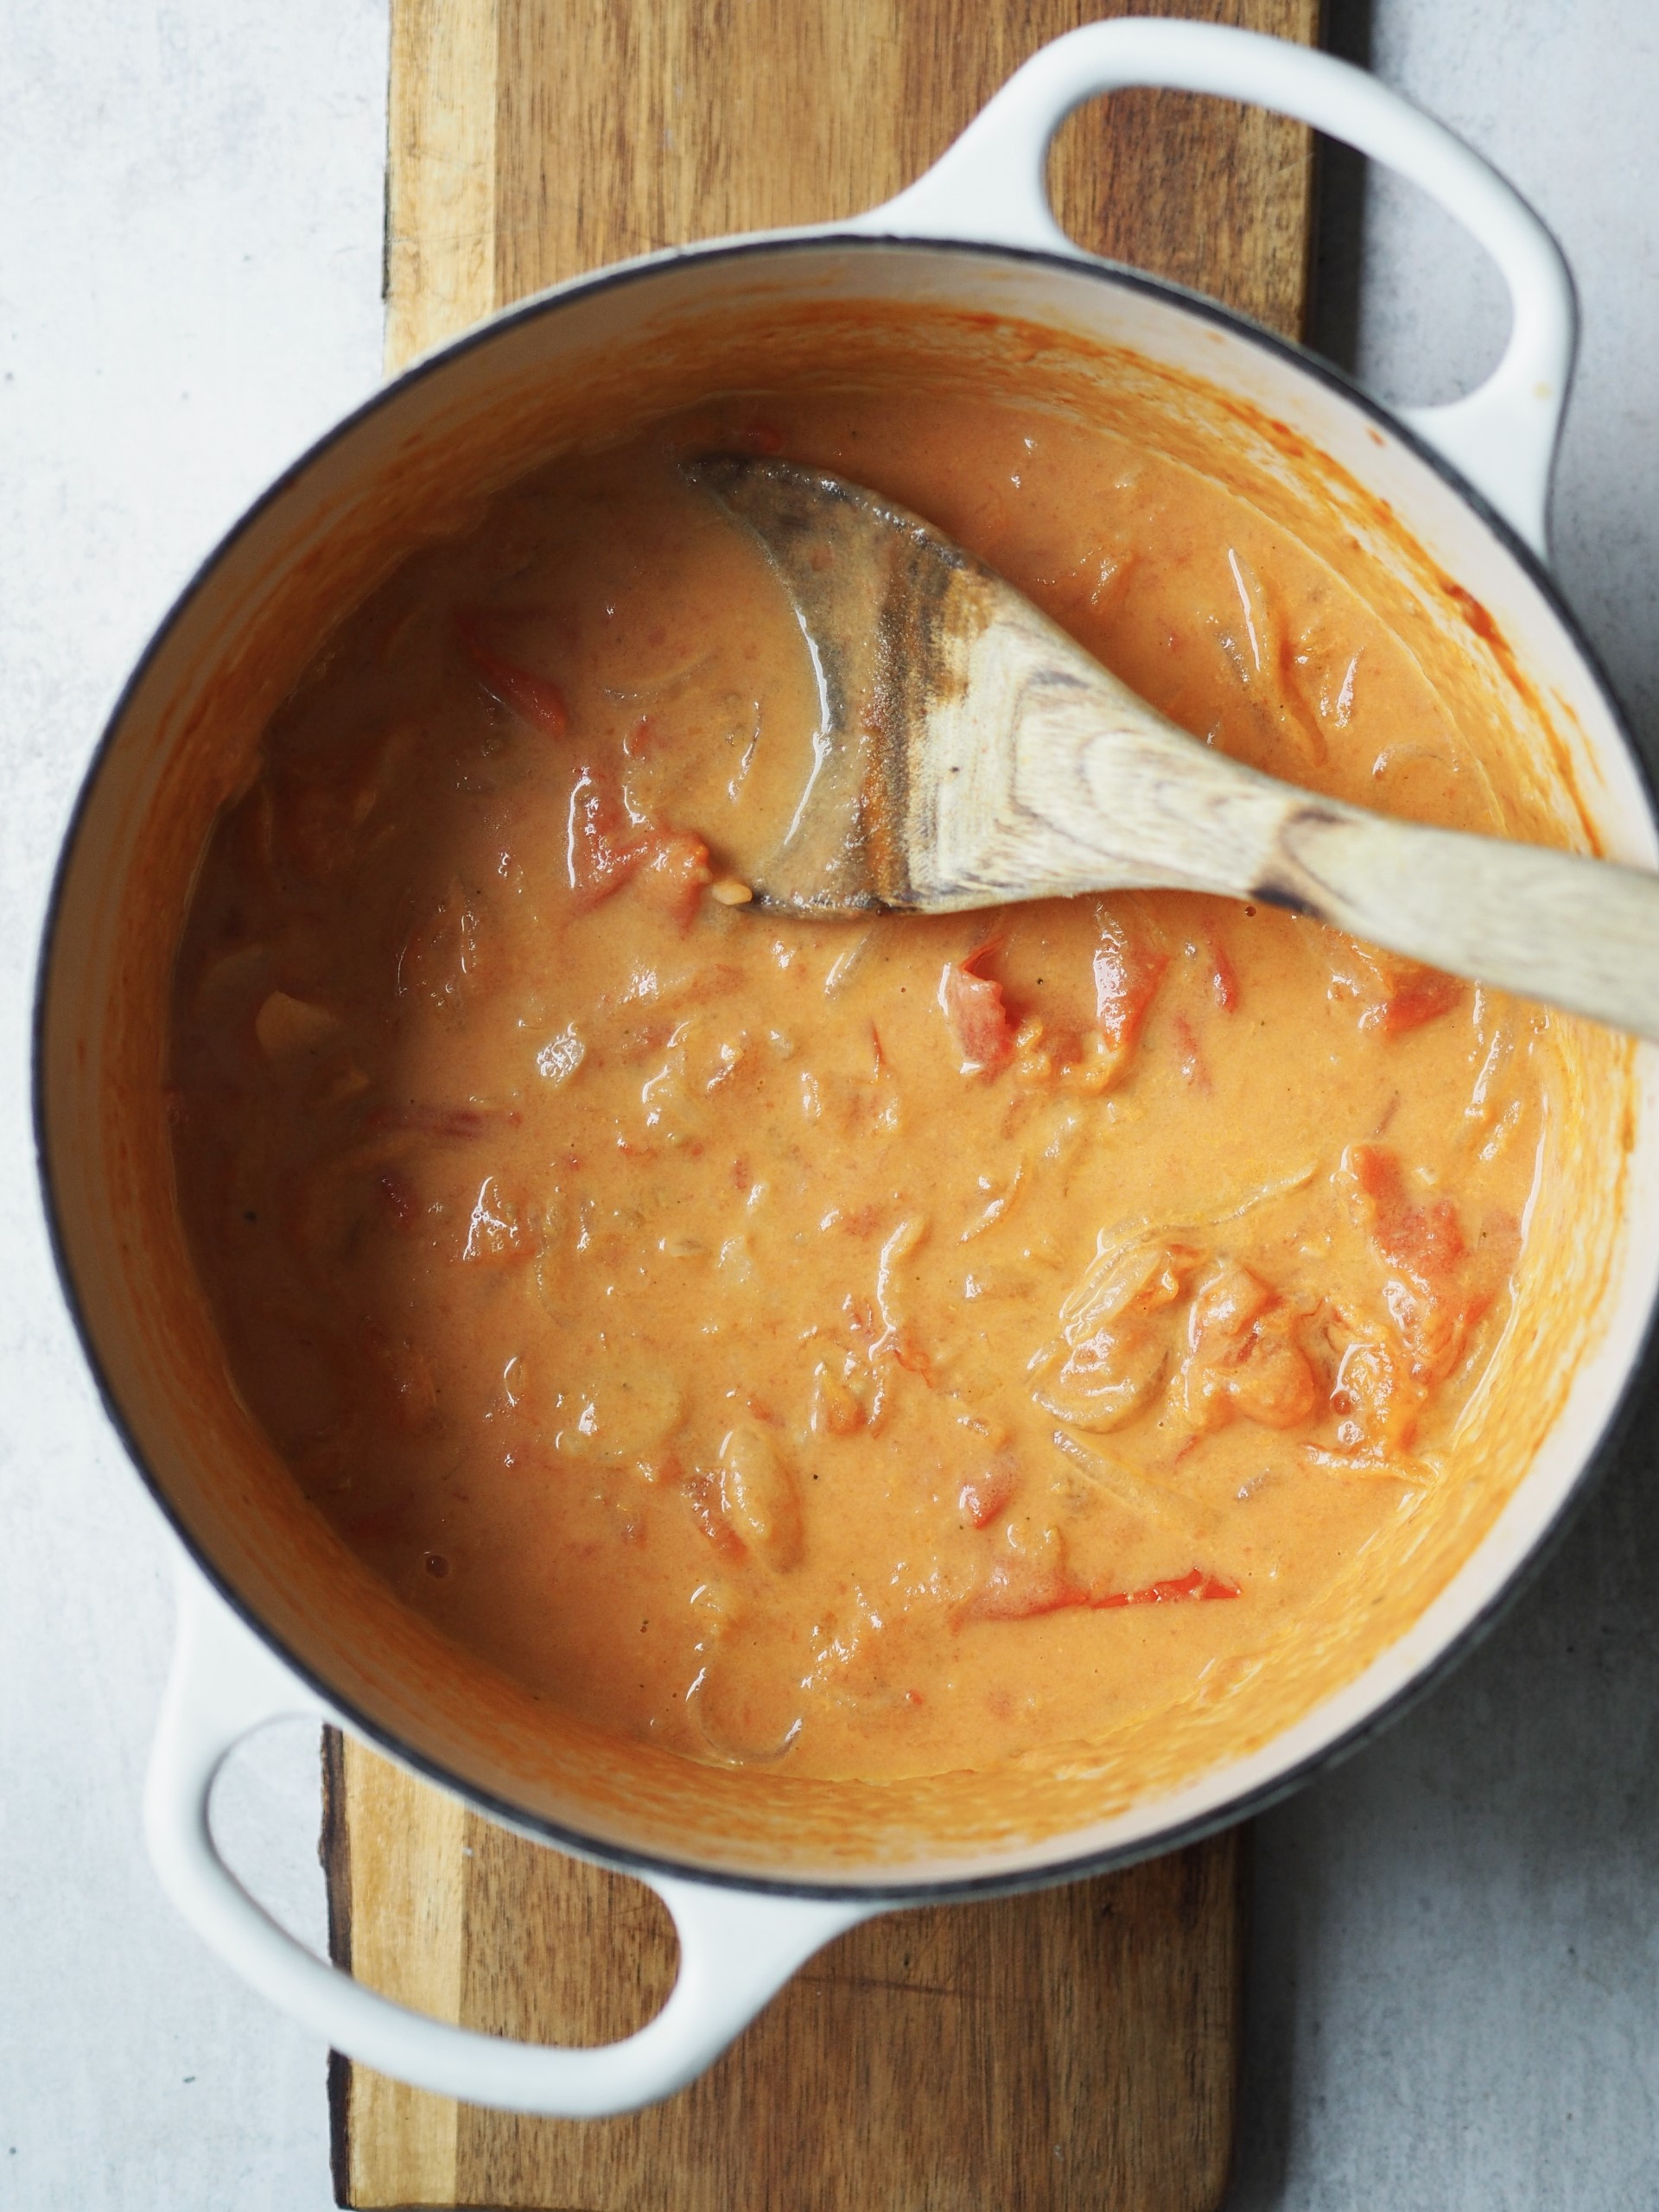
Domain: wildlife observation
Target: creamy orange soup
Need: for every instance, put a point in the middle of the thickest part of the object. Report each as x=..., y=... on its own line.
x=880, y=1348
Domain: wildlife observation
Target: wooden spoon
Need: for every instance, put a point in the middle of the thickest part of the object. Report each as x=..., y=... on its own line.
x=970, y=754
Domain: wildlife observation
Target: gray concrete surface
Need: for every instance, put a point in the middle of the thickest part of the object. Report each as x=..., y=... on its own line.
x=190, y=208
x=1454, y=1997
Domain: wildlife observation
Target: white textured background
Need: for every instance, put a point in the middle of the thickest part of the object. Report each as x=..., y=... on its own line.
x=190, y=211
x=1455, y=1986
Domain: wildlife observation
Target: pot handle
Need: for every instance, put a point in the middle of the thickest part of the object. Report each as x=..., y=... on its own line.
x=991, y=188
x=737, y=1948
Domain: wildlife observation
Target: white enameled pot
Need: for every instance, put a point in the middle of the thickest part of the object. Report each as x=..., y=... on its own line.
x=272, y=1622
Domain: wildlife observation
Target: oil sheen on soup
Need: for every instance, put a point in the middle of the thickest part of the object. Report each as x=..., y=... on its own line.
x=879, y=1348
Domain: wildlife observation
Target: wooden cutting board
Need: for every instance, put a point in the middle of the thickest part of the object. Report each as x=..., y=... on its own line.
x=1077, y=2047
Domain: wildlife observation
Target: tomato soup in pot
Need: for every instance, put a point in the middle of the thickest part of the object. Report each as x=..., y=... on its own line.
x=1073, y=1338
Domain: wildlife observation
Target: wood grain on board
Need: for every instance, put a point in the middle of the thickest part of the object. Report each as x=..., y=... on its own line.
x=1076, y=2048
x=532, y=139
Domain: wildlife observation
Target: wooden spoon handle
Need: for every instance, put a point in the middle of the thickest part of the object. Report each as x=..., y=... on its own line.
x=1094, y=790
x=1581, y=934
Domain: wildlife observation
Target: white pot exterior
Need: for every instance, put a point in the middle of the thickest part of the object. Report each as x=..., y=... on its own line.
x=740, y=1943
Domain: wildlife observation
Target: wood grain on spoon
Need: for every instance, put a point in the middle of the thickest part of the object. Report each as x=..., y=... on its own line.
x=971, y=754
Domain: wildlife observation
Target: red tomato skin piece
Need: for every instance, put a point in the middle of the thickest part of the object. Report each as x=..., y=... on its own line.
x=607, y=847
x=973, y=1005
x=1424, y=1242
x=1205, y=1588
x=676, y=868
x=604, y=846
x=1190, y=1054
x=759, y=435
x=1396, y=995
x=1059, y=1593
x=1424, y=998
x=533, y=698
x=1128, y=972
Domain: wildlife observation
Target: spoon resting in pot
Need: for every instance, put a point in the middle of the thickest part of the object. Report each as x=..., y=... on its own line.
x=971, y=754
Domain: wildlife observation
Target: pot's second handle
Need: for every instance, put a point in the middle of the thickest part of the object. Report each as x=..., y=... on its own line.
x=737, y=1949
x=991, y=186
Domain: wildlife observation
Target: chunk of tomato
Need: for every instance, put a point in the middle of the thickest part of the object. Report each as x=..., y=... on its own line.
x=674, y=870
x=979, y=1021
x=1430, y=1298
x=534, y=698
x=1396, y=995
x=608, y=845
x=1245, y=1357
x=605, y=846
x=1417, y=998
x=1424, y=1242
x=1127, y=971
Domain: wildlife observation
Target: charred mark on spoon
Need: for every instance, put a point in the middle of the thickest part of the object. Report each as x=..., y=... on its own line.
x=1275, y=894
x=1283, y=889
